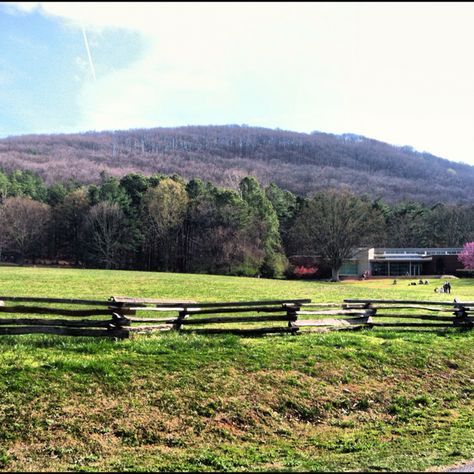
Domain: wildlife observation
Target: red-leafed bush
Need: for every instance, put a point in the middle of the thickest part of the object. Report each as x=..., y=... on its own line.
x=304, y=272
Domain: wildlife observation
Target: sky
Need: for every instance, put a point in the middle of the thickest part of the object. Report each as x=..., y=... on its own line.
x=402, y=73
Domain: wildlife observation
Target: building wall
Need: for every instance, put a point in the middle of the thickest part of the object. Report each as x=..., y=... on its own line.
x=361, y=262
x=364, y=263
x=442, y=264
x=357, y=265
x=439, y=265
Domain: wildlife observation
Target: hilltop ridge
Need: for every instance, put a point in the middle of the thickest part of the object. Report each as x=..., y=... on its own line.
x=300, y=162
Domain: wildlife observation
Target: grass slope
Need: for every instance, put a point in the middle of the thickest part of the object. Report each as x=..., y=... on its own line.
x=373, y=400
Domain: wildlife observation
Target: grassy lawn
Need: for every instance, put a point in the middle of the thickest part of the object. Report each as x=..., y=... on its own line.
x=374, y=400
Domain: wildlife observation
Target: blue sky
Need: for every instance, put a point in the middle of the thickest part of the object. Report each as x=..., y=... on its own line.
x=398, y=72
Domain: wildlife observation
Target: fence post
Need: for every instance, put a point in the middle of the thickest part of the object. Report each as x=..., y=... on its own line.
x=179, y=320
x=119, y=320
x=291, y=312
x=116, y=327
x=369, y=312
x=461, y=317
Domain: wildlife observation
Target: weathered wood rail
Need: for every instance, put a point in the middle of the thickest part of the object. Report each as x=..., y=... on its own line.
x=109, y=324
x=381, y=313
x=370, y=313
x=119, y=317
x=213, y=318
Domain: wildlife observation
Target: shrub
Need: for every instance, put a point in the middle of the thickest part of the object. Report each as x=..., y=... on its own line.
x=301, y=271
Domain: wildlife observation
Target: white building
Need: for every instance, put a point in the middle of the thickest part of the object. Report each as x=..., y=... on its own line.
x=402, y=262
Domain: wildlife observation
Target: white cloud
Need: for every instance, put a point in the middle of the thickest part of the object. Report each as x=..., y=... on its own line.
x=396, y=72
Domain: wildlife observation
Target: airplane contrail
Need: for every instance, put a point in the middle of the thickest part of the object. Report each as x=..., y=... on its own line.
x=88, y=51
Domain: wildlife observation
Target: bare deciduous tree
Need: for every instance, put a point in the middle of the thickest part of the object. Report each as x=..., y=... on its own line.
x=24, y=223
x=106, y=226
x=333, y=224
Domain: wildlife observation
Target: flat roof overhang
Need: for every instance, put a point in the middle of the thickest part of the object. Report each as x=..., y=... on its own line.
x=402, y=259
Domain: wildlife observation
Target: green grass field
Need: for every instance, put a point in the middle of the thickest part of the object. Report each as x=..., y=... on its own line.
x=373, y=400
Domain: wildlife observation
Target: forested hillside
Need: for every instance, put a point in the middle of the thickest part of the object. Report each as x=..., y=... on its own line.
x=302, y=163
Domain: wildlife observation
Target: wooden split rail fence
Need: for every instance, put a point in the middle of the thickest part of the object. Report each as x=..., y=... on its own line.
x=413, y=313
x=94, y=318
x=120, y=316
x=369, y=313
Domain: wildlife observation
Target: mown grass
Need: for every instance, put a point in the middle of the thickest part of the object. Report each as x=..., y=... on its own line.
x=70, y=283
x=376, y=400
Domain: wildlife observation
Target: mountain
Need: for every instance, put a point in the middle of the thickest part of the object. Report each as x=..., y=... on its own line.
x=302, y=163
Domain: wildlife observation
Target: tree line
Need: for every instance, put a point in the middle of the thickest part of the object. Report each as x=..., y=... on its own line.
x=165, y=223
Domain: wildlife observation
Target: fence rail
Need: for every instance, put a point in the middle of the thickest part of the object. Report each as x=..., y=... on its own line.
x=380, y=312
x=120, y=316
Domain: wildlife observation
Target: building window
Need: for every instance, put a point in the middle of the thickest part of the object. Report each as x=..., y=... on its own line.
x=379, y=268
x=349, y=269
x=398, y=269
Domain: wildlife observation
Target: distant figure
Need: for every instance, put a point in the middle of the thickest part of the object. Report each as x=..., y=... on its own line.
x=447, y=287
x=420, y=281
x=426, y=282
x=394, y=282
